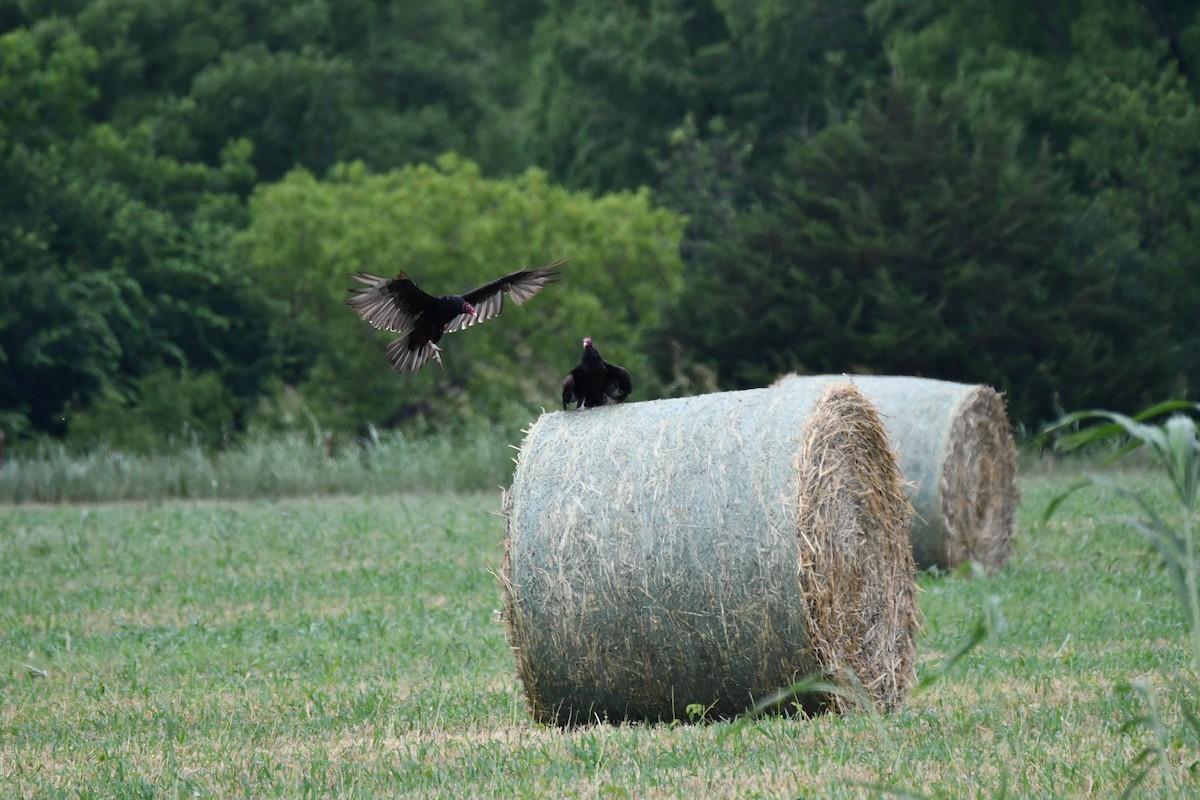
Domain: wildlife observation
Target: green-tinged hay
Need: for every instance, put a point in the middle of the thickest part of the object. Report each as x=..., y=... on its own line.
x=956, y=451
x=709, y=550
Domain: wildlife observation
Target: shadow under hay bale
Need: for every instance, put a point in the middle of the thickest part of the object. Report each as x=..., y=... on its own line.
x=955, y=447
x=708, y=550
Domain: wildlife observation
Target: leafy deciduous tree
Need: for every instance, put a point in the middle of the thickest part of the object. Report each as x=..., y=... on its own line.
x=452, y=229
x=113, y=255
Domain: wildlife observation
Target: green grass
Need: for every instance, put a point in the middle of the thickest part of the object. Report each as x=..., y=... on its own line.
x=345, y=646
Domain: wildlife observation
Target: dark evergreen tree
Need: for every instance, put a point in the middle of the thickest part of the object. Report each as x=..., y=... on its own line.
x=918, y=238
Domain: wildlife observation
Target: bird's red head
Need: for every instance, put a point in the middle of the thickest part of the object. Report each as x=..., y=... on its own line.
x=587, y=341
x=468, y=308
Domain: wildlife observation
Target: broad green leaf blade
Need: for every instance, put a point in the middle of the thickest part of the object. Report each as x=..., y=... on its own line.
x=1058, y=500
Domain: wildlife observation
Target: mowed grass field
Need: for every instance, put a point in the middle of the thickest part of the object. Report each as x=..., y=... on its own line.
x=347, y=647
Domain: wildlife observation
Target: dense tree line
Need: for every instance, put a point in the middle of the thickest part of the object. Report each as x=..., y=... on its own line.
x=978, y=191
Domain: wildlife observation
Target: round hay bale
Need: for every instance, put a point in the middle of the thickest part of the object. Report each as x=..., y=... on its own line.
x=708, y=550
x=956, y=451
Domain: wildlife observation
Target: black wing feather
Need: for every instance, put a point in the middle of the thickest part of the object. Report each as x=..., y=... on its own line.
x=569, y=395
x=488, y=299
x=390, y=304
x=618, y=384
x=405, y=358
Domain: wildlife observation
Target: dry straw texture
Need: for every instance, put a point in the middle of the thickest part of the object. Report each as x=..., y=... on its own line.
x=707, y=550
x=956, y=451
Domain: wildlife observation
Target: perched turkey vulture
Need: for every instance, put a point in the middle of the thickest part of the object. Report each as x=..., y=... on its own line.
x=399, y=305
x=594, y=381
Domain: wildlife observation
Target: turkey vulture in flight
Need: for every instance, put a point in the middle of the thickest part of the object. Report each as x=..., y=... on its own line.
x=594, y=381
x=399, y=305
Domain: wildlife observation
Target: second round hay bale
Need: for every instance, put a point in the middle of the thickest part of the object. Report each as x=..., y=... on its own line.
x=954, y=445
x=708, y=550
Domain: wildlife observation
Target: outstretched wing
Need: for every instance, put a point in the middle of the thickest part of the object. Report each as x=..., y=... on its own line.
x=617, y=384
x=488, y=300
x=391, y=304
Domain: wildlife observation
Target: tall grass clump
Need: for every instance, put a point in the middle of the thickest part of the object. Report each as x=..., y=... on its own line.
x=471, y=458
x=1174, y=447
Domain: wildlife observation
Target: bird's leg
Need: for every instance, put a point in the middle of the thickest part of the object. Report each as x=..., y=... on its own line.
x=437, y=354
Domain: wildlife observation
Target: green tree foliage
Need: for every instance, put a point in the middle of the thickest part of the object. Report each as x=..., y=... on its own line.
x=113, y=257
x=705, y=176
x=1142, y=170
x=309, y=84
x=610, y=82
x=1113, y=86
x=915, y=238
x=452, y=229
x=162, y=407
x=296, y=107
x=132, y=133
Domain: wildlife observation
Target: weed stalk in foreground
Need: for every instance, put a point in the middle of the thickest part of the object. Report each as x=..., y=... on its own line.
x=1175, y=447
